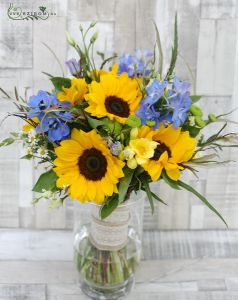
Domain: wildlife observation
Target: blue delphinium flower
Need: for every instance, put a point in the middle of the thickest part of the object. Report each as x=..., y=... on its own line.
x=41, y=102
x=54, y=122
x=136, y=64
x=56, y=128
x=155, y=90
x=73, y=66
x=172, y=107
x=179, y=102
x=147, y=112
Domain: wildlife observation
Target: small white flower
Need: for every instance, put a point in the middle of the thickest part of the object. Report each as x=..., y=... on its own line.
x=29, y=151
x=47, y=194
x=32, y=132
x=32, y=136
x=42, y=152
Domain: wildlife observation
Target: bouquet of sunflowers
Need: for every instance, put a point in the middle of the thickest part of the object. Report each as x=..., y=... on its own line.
x=110, y=130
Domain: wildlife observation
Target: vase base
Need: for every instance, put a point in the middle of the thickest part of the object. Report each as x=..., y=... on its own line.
x=108, y=293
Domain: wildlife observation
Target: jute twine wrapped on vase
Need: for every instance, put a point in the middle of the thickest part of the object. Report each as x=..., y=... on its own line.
x=111, y=233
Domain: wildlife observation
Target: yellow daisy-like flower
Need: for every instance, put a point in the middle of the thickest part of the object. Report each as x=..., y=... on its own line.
x=27, y=127
x=115, y=97
x=86, y=165
x=174, y=147
x=75, y=93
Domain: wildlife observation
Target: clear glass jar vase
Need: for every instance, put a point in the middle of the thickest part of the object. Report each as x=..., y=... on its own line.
x=107, y=252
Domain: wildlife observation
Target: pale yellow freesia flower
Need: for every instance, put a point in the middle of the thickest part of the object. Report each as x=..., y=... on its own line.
x=143, y=149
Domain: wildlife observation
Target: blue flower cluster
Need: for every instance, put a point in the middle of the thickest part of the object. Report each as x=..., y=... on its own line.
x=171, y=106
x=50, y=121
x=136, y=64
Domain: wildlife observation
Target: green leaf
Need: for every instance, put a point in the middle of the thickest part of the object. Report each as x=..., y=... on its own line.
x=133, y=121
x=47, y=74
x=107, y=60
x=94, y=123
x=194, y=131
x=101, y=54
x=47, y=182
x=149, y=194
x=174, y=50
x=158, y=198
x=114, y=127
x=172, y=183
x=60, y=82
x=15, y=134
x=16, y=93
x=202, y=198
x=158, y=42
x=28, y=157
x=5, y=93
x=7, y=142
x=109, y=206
x=124, y=184
x=195, y=98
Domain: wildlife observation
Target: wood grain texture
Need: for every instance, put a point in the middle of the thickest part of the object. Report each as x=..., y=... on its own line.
x=166, y=279
x=15, y=40
x=22, y=291
x=50, y=245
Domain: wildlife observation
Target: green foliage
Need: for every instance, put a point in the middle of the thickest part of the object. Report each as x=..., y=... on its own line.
x=156, y=197
x=174, y=50
x=60, y=82
x=46, y=182
x=15, y=134
x=180, y=184
x=158, y=43
x=95, y=123
x=113, y=127
x=200, y=122
x=107, y=60
x=133, y=121
x=202, y=198
x=195, y=110
x=109, y=206
x=212, y=118
x=124, y=184
x=7, y=141
x=195, y=98
x=107, y=126
x=27, y=157
x=173, y=184
x=149, y=194
x=193, y=131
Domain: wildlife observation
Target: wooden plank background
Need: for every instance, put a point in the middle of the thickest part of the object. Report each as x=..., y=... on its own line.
x=208, y=38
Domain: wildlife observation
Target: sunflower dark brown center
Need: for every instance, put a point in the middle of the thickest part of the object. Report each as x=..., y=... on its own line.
x=159, y=150
x=117, y=106
x=92, y=164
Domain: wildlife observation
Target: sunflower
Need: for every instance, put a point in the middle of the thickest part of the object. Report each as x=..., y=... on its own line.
x=86, y=165
x=75, y=93
x=174, y=147
x=115, y=97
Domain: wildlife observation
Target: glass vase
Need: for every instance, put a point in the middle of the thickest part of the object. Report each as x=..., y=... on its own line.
x=107, y=252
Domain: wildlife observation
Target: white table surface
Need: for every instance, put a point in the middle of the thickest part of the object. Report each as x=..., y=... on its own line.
x=37, y=265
